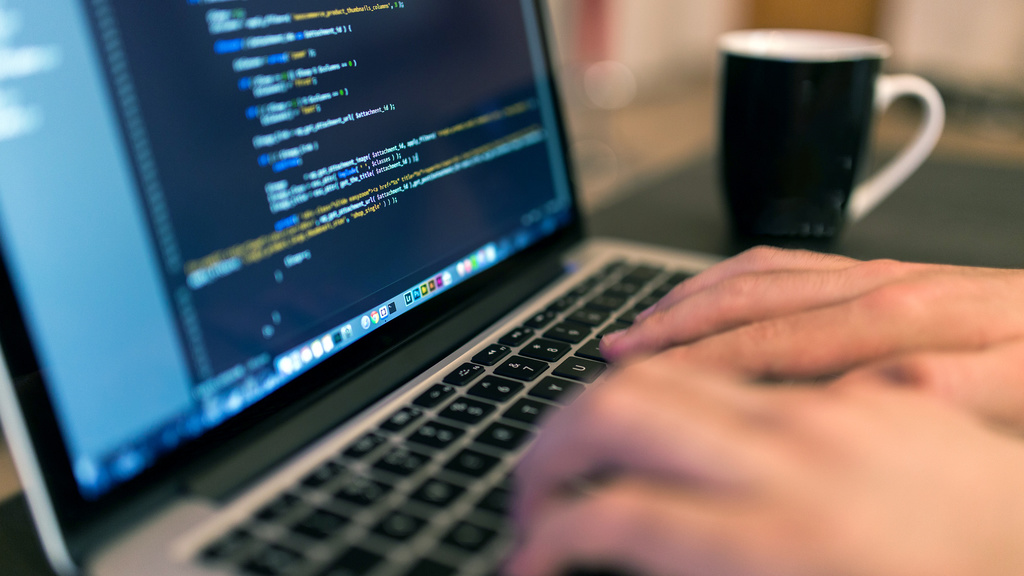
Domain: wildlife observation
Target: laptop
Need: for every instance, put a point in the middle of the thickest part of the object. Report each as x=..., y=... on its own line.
x=289, y=287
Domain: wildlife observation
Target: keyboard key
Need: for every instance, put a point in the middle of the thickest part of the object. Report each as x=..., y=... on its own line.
x=361, y=491
x=563, y=304
x=464, y=374
x=471, y=463
x=570, y=332
x=438, y=493
x=547, y=350
x=492, y=354
x=624, y=289
x=580, y=369
x=644, y=273
x=517, y=337
x=496, y=389
x=629, y=317
x=401, y=419
x=467, y=410
x=437, y=394
x=521, y=368
x=365, y=445
x=606, y=303
x=504, y=436
x=497, y=501
x=527, y=411
x=354, y=562
x=591, y=351
x=557, y=390
x=427, y=567
x=541, y=319
x=663, y=290
x=401, y=461
x=647, y=301
x=678, y=278
x=272, y=560
x=589, y=317
x=436, y=435
x=324, y=474
x=320, y=525
x=399, y=525
x=278, y=508
x=469, y=537
x=229, y=545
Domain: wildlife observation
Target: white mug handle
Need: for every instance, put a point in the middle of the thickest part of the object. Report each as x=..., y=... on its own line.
x=877, y=188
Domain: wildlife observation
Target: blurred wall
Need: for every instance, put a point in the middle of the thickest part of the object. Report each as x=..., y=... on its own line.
x=974, y=42
x=969, y=41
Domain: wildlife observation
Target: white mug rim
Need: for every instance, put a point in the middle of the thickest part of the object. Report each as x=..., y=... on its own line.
x=803, y=45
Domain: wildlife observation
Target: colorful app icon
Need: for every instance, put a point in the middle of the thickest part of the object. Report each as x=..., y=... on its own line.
x=415, y=294
x=383, y=312
x=440, y=282
x=366, y=323
x=408, y=298
x=433, y=285
x=461, y=269
x=424, y=290
x=448, y=279
x=375, y=317
x=307, y=355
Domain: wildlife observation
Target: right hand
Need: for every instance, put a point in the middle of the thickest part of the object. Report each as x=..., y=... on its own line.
x=666, y=468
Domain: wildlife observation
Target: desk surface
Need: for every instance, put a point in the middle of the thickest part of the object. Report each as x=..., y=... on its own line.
x=950, y=211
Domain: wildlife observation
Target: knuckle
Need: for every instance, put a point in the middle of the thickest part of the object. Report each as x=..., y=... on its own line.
x=880, y=267
x=761, y=254
x=900, y=299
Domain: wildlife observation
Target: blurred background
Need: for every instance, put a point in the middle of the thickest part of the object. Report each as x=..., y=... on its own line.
x=640, y=77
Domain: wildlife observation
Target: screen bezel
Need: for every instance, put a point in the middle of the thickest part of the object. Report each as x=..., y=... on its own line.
x=78, y=517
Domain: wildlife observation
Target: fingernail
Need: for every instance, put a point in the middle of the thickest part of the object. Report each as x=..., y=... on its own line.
x=612, y=337
x=643, y=315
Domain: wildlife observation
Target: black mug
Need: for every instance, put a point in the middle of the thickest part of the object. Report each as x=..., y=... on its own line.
x=796, y=115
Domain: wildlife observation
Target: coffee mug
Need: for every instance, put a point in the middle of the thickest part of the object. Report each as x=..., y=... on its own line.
x=796, y=116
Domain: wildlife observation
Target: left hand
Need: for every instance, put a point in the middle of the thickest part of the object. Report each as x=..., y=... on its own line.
x=796, y=314
x=782, y=314
x=668, y=469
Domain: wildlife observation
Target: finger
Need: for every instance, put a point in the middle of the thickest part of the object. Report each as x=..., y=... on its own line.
x=657, y=417
x=915, y=315
x=637, y=526
x=763, y=259
x=749, y=298
x=989, y=382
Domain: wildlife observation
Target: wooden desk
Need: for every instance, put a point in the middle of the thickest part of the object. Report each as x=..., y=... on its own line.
x=958, y=212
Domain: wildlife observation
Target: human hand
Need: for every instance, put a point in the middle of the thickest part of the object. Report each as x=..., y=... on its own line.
x=665, y=469
x=782, y=314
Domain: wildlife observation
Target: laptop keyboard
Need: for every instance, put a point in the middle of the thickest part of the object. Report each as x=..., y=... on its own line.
x=426, y=494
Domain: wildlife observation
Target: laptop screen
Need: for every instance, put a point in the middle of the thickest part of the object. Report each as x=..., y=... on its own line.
x=201, y=200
